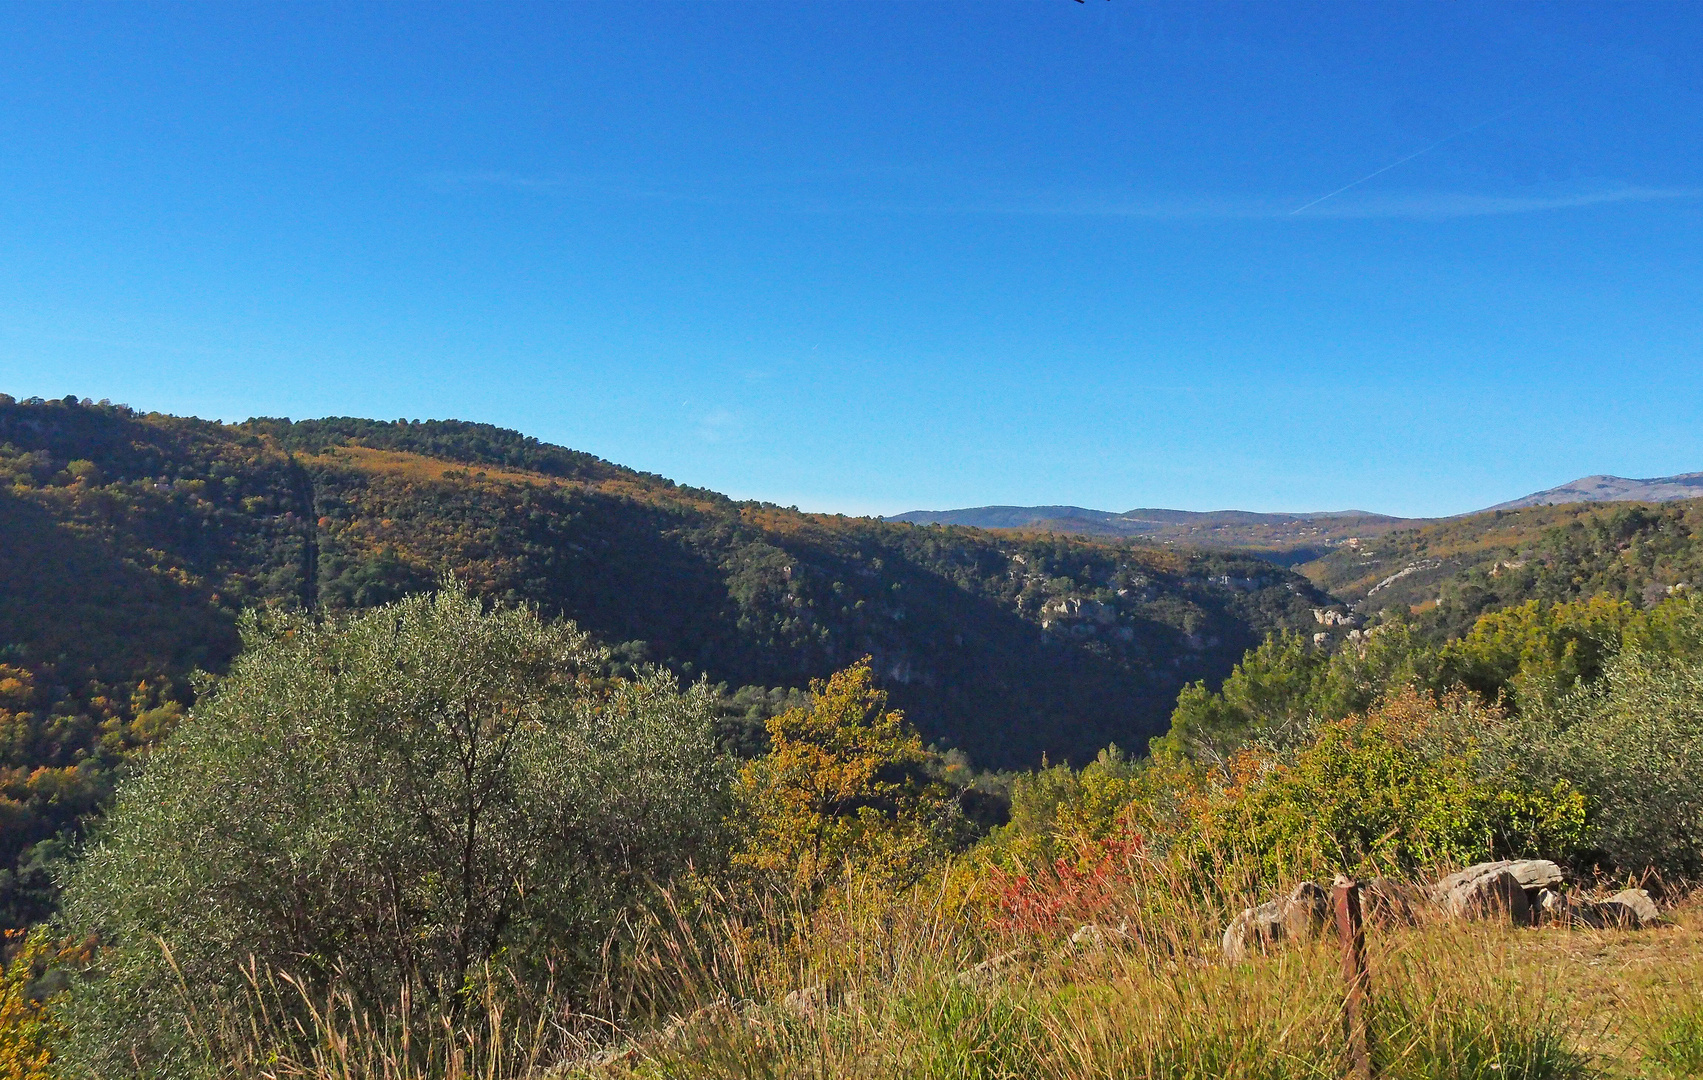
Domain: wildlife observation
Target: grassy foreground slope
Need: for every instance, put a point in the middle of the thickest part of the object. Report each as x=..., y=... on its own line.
x=129, y=542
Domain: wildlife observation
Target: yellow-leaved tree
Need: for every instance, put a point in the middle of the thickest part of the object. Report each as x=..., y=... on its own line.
x=846, y=781
x=27, y=1028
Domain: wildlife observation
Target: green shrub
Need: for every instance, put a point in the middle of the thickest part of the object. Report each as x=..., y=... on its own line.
x=959, y=1032
x=1058, y=812
x=392, y=800
x=1402, y=788
x=1634, y=743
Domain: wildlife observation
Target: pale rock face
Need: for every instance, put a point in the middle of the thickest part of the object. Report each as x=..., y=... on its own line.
x=1296, y=917
x=806, y=1000
x=1075, y=607
x=1092, y=936
x=1553, y=908
x=1638, y=908
x=1627, y=910
x=1497, y=889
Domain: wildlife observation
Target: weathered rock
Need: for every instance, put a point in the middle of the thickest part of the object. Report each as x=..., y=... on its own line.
x=806, y=1000
x=1632, y=907
x=1478, y=890
x=987, y=969
x=1388, y=902
x=1254, y=930
x=1481, y=892
x=1091, y=936
x=1535, y=873
x=1552, y=909
x=1296, y=917
x=1306, y=909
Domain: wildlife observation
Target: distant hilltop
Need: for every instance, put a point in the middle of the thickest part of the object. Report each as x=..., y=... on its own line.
x=1287, y=537
x=1613, y=489
x=1131, y=521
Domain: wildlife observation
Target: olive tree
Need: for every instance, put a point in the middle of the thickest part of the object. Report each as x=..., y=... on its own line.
x=1633, y=743
x=395, y=798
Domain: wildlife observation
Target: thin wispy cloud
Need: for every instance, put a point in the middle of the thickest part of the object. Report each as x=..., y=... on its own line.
x=776, y=194
x=1466, y=204
x=722, y=426
x=1418, y=205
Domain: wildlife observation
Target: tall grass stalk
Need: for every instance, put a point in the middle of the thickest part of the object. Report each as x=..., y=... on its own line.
x=930, y=984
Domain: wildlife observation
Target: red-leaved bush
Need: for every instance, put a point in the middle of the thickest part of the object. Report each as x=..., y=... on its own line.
x=1093, y=888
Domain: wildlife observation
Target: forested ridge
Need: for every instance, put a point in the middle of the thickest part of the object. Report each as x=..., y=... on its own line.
x=130, y=542
x=1449, y=573
x=438, y=744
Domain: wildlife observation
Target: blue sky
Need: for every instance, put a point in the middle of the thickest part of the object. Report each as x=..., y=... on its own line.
x=878, y=257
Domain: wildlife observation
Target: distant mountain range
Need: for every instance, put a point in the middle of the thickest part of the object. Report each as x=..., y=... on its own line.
x=1288, y=538
x=1613, y=489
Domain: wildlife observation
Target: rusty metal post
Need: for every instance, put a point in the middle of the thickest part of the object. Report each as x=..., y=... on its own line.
x=1351, y=930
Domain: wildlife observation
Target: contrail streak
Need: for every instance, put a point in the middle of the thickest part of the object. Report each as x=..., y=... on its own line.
x=1402, y=161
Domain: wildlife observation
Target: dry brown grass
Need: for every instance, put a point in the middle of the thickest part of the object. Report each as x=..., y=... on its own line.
x=875, y=985
x=1616, y=986
x=418, y=467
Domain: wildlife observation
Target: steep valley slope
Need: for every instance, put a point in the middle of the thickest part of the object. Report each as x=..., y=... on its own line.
x=130, y=542
x=1450, y=572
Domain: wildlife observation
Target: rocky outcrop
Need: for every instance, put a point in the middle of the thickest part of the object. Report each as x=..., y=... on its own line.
x=1633, y=907
x=1493, y=895
x=1522, y=892
x=1529, y=892
x=1296, y=917
x=1629, y=909
x=1506, y=889
x=1092, y=936
x=1076, y=607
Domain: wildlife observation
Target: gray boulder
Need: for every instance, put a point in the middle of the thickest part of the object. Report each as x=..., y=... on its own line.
x=1630, y=908
x=806, y=1000
x=1490, y=891
x=1297, y=917
x=1553, y=908
x=1092, y=936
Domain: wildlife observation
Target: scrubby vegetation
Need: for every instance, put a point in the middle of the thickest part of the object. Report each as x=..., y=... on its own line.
x=440, y=839
x=658, y=785
x=130, y=544
x=1456, y=570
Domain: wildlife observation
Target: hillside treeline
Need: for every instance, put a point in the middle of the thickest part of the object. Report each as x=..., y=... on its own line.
x=130, y=543
x=502, y=760
x=440, y=838
x=1450, y=573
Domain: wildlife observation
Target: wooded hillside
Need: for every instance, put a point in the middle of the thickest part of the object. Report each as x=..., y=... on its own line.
x=1450, y=572
x=129, y=542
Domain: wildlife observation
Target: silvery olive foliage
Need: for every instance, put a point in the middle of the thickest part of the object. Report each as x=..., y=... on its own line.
x=400, y=797
x=1633, y=742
